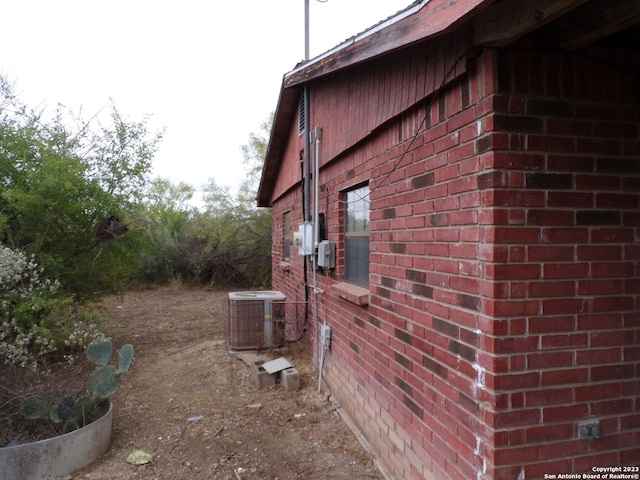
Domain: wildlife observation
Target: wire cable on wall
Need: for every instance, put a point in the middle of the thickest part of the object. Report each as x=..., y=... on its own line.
x=436, y=94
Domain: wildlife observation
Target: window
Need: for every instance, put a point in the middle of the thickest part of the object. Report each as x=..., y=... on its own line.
x=356, y=242
x=287, y=236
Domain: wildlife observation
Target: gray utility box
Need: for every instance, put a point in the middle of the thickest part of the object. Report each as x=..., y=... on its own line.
x=327, y=254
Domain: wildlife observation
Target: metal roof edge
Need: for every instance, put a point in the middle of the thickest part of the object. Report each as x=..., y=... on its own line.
x=402, y=14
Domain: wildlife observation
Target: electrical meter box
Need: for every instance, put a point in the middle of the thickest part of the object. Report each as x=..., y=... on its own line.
x=327, y=254
x=305, y=237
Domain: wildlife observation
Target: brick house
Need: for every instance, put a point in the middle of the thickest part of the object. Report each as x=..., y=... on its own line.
x=477, y=170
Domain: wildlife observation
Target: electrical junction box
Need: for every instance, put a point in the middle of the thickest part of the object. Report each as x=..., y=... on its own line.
x=325, y=336
x=327, y=254
x=305, y=234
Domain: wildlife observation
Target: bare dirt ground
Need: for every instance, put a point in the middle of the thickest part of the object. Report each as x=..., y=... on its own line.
x=198, y=411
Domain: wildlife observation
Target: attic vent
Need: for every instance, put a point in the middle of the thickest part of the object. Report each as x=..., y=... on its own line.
x=301, y=115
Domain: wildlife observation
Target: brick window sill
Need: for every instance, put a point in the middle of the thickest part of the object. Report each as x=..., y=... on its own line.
x=351, y=293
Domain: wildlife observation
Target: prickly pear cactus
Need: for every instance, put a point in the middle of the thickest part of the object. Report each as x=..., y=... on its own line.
x=105, y=381
x=75, y=412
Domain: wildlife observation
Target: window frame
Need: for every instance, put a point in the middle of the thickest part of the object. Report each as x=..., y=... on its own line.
x=286, y=237
x=355, y=236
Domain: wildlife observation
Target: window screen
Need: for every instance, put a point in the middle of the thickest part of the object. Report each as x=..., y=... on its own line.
x=356, y=248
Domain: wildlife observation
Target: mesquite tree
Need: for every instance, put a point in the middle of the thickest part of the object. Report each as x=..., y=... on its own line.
x=59, y=177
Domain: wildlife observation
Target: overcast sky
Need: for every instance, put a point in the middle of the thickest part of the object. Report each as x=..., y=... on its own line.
x=209, y=71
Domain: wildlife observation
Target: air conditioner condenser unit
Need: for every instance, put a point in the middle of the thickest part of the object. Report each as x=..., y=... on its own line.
x=254, y=320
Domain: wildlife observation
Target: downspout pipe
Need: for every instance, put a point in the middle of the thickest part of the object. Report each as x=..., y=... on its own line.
x=316, y=235
x=306, y=163
x=317, y=133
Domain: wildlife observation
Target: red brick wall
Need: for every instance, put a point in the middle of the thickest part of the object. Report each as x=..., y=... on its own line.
x=405, y=367
x=503, y=278
x=564, y=216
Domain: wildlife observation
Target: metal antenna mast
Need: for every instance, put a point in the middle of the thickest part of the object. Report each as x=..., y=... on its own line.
x=306, y=29
x=307, y=142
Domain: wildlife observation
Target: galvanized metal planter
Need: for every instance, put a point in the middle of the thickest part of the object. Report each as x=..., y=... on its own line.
x=58, y=457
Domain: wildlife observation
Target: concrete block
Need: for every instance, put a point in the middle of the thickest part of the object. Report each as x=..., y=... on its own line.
x=261, y=377
x=289, y=378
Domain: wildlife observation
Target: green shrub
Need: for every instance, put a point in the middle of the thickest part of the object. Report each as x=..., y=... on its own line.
x=36, y=319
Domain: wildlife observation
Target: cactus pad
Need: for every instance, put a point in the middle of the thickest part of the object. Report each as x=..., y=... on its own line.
x=64, y=410
x=104, y=382
x=34, y=408
x=125, y=358
x=99, y=351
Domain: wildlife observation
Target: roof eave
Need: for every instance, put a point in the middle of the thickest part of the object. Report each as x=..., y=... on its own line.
x=286, y=110
x=401, y=30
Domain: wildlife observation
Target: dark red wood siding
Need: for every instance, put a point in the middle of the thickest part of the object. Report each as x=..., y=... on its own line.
x=350, y=105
